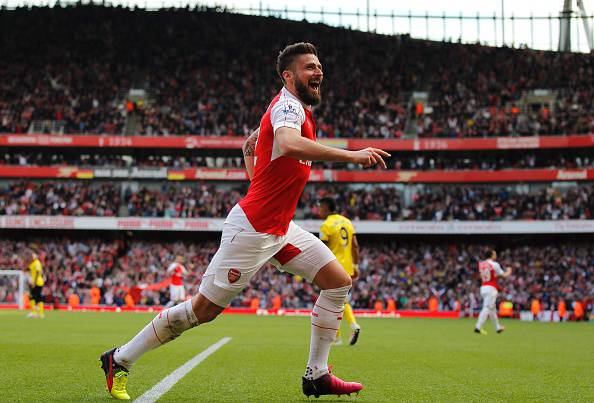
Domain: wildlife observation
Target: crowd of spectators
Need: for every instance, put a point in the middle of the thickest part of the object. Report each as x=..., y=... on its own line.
x=478, y=161
x=359, y=202
x=183, y=201
x=199, y=77
x=409, y=274
x=59, y=198
x=102, y=160
x=452, y=203
x=408, y=161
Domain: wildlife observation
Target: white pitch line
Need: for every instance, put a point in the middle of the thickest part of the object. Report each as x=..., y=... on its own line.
x=153, y=394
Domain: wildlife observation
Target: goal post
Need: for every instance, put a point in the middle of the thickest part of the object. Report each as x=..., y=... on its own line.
x=12, y=287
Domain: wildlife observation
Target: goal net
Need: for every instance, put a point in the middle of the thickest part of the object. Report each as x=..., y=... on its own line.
x=12, y=288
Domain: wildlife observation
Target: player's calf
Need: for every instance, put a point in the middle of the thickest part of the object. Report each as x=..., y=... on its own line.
x=171, y=323
x=166, y=326
x=325, y=321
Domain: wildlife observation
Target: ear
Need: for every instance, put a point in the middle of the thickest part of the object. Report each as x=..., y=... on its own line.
x=287, y=74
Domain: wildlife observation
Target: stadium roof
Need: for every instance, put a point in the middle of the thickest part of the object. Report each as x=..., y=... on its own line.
x=540, y=32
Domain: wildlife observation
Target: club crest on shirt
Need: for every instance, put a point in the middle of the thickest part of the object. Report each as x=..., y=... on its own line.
x=233, y=275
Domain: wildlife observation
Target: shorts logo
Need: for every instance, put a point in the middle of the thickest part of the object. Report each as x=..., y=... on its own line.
x=233, y=275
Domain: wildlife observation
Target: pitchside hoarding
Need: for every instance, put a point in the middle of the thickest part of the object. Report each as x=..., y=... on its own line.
x=362, y=227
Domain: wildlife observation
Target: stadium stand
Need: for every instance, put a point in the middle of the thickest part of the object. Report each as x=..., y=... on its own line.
x=132, y=81
x=408, y=273
x=387, y=203
x=408, y=161
x=477, y=134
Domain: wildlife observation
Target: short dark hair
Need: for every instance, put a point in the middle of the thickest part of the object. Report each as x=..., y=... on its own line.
x=328, y=201
x=489, y=253
x=288, y=55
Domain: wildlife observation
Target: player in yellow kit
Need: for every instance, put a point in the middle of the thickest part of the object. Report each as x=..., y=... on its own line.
x=338, y=233
x=37, y=283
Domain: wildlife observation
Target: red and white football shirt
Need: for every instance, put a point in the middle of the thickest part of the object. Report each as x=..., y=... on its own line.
x=489, y=270
x=178, y=273
x=278, y=181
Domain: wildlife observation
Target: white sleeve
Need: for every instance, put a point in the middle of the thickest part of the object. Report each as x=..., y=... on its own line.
x=287, y=112
x=171, y=267
x=497, y=268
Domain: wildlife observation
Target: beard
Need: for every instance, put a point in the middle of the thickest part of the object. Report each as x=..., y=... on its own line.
x=307, y=95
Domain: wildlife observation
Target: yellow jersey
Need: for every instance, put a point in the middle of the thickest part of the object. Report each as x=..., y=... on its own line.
x=36, y=273
x=337, y=232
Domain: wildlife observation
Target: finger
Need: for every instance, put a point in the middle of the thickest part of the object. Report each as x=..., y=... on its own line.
x=379, y=160
x=383, y=163
x=382, y=152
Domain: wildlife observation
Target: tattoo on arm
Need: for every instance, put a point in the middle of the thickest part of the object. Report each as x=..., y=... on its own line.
x=249, y=148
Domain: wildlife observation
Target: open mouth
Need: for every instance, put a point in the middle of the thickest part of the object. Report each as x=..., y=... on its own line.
x=315, y=85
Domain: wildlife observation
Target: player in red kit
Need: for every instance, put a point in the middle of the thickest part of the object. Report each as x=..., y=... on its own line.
x=489, y=270
x=177, y=292
x=259, y=229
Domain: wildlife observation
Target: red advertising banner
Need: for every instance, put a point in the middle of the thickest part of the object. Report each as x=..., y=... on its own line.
x=471, y=176
x=493, y=143
x=58, y=140
x=319, y=175
x=11, y=171
x=235, y=142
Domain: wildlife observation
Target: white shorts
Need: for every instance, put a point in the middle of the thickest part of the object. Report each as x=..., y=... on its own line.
x=177, y=292
x=243, y=251
x=489, y=295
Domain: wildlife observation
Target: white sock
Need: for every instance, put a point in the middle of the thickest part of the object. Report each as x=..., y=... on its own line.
x=355, y=326
x=166, y=326
x=494, y=319
x=482, y=317
x=325, y=321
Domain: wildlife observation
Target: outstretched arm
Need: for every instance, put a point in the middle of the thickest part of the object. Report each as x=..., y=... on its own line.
x=507, y=272
x=249, y=150
x=499, y=270
x=293, y=145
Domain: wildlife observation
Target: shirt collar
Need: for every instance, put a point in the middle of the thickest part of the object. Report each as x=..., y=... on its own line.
x=288, y=94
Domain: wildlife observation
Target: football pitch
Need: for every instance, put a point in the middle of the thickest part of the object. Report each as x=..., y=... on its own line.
x=400, y=360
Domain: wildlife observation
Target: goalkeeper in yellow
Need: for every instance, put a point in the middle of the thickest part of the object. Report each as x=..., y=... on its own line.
x=338, y=233
x=37, y=283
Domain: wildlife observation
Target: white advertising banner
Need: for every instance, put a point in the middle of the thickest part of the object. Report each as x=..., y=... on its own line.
x=112, y=223
x=362, y=227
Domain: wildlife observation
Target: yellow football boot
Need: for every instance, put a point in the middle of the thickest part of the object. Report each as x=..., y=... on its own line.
x=116, y=376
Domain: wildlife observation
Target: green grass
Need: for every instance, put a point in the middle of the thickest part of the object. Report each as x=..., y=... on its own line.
x=429, y=360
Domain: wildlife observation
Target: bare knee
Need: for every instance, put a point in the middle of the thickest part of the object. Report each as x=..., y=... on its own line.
x=332, y=276
x=204, y=309
x=344, y=281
